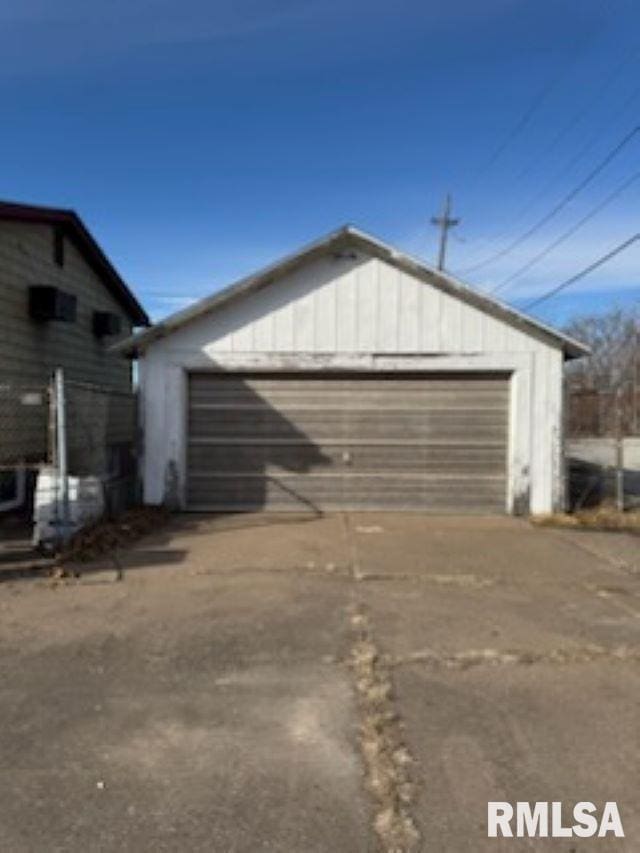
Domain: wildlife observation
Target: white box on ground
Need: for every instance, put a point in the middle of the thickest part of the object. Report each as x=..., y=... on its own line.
x=86, y=504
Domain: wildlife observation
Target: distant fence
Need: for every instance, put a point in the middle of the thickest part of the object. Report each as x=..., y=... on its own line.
x=597, y=412
x=593, y=471
x=603, y=445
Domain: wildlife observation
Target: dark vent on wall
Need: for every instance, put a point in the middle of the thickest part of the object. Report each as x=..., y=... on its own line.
x=58, y=246
x=105, y=324
x=51, y=303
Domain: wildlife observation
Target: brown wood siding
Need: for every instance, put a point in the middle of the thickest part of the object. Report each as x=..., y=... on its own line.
x=426, y=443
x=29, y=351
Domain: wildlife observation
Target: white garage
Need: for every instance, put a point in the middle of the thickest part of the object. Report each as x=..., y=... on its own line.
x=350, y=376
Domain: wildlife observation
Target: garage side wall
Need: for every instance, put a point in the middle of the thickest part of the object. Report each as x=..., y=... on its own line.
x=358, y=313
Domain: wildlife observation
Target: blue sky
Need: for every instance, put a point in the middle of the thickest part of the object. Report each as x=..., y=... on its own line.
x=200, y=140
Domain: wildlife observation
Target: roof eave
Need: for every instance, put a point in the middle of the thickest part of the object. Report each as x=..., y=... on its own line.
x=86, y=243
x=571, y=347
x=137, y=344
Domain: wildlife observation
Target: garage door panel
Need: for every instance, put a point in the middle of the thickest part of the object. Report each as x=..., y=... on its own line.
x=254, y=492
x=332, y=423
x=319, y=397
x=208, y=385
x=213, y=457
x=341, y=394
x=432, y=443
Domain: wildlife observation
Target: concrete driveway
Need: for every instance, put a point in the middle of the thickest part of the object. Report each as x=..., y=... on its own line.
x=346, y=683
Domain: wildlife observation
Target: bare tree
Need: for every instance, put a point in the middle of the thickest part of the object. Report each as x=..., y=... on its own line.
x=604, y=388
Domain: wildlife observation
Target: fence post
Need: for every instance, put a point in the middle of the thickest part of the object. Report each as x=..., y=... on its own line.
x=52, y=430
x=61, y=454
x=619, y=453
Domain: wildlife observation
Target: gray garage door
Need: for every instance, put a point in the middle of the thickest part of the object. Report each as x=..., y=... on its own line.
x=294, y=442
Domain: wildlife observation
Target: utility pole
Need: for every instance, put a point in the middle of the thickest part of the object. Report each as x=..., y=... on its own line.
x=444, y=223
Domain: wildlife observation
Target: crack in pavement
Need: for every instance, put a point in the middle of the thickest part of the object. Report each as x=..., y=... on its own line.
x=616, y=563
x=493, y=657
x=386, y=757
x=463, y=580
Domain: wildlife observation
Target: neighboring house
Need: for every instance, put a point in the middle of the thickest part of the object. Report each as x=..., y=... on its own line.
x=351, y=376
x=62, y=304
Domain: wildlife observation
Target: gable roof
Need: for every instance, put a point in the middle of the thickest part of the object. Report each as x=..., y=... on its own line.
x=349, y=237
x=74, y=228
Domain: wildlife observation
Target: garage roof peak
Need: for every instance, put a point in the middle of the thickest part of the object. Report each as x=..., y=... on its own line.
x=350, y=236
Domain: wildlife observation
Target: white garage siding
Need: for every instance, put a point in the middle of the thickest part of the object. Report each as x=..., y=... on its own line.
x=353, y=311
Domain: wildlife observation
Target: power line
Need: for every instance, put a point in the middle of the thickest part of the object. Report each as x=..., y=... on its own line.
x=520, y=125
x=538, y=100
x=560, y=205
x=575, y=157
x=579, y=115
x=598, y=263
x=569, y=233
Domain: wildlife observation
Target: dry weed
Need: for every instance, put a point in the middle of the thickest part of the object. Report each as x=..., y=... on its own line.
x=107, y=535
x=604, y=517
x=386, y=758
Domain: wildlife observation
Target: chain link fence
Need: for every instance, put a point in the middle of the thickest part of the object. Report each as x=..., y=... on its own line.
x=603, y=446
x=25, y=420
x=25, y=439
x=67, y=453
x=101, y=427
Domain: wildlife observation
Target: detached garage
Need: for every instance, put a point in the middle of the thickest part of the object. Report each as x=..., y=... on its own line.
x=350, y=376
